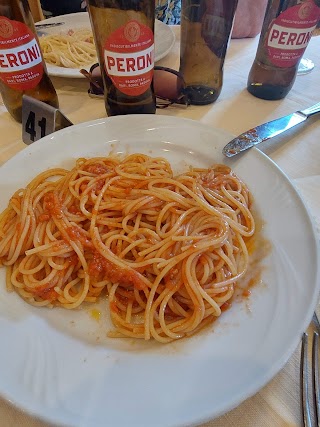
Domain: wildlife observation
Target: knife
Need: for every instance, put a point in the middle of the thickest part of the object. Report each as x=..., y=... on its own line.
x=53, y=24
x=268, y=130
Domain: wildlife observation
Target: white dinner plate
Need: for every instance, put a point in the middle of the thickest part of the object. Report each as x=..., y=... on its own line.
x=59, y=365
x=164, y=39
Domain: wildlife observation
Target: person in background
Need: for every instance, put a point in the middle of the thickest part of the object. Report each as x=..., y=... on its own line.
x=248, y=19
x=168, y=11
x=55, y=8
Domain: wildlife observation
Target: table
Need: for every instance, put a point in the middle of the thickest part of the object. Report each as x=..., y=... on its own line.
x=277, y=404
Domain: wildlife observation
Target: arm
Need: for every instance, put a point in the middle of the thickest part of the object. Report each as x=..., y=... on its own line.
x=249, y=17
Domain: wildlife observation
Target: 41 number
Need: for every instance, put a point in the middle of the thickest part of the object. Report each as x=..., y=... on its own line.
x=31, y=126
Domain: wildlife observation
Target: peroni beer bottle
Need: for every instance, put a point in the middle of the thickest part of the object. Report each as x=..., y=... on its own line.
x=286, y=31
x=124, y=36
x=205, y=31
x=22, y=69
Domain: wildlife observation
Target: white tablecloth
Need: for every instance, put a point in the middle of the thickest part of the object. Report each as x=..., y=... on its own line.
x=277, y=404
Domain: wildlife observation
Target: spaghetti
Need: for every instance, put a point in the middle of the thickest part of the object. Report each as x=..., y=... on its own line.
x=74, y=49
x=167, y=250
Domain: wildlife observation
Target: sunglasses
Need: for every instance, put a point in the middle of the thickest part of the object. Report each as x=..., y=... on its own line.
x=168, y=85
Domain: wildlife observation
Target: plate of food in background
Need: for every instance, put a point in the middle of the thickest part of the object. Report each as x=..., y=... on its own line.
x=67, y=43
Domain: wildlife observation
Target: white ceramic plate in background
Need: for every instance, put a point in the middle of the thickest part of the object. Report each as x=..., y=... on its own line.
x=163, y=35
x=59, y=365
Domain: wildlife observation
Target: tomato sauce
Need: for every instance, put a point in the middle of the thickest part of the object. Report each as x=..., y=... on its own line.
x=172, y=279
x=53, y=205
x=98, y=185
x=43, y=217
x=45, y=292
x=73, y=259
x=225, y=306
x=74, y=210
x=100, y=268
x=78, y=234
x=114, y=307
x=246, y=293
x=97, y=169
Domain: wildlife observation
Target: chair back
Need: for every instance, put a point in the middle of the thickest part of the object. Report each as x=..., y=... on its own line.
x=36, y=10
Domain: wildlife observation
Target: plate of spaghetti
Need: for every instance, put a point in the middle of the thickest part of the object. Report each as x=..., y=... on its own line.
x=69, y=47
x=138, y=265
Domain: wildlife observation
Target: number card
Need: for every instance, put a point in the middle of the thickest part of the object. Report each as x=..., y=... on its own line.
x=40, y=119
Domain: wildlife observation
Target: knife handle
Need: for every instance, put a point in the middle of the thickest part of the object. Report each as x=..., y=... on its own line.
x=314, y=109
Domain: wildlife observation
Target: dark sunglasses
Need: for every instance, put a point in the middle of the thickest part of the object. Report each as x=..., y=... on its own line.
x=168, y=85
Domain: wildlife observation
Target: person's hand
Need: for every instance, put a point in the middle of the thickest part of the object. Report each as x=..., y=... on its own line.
x=248, y=19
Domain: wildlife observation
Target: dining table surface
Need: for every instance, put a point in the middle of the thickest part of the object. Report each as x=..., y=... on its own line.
x=277, y=404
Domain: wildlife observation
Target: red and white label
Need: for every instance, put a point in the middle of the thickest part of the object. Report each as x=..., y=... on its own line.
x=290, y=32
x=21, y=66
x=129, y=58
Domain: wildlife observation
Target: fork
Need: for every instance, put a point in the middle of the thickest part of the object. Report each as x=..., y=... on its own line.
x=304, y=384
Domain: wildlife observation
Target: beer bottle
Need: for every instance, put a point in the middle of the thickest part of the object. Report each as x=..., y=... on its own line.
x=22, y=68
x=124, y=36
x=286, y=31
x=205, y=31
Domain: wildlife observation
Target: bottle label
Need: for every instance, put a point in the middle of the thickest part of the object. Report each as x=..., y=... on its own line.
x=129, y=58
x=290, y=33
x=21, y=66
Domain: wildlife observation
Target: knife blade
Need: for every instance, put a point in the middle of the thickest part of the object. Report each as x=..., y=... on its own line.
x=268, y=130
x=53, y=24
